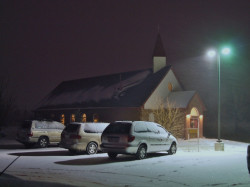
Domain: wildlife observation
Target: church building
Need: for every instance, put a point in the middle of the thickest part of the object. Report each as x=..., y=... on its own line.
x=122, y=96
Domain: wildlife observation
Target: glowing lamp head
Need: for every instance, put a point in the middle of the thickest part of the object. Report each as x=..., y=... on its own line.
x=225, y=51
x=211, y=53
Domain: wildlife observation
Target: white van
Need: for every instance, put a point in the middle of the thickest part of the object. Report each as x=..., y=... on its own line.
x=78, y=137
x=138, y=138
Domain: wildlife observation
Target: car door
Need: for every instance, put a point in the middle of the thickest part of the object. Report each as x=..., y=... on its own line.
x=164, y=136
x=142, y=134
x=53, y=132
x=154, y=138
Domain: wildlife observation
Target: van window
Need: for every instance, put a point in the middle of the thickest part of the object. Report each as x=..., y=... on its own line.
x=60, y=126
x=118, y=128
x=55, y=125
x=41, y=125
x=100, y=127
x=52, y=125
x=162, y=130
x=89, y=128
x=140, y=128
x=152, y=127
x=72, y=128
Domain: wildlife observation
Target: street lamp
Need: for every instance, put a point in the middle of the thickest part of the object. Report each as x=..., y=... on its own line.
x=219, y=146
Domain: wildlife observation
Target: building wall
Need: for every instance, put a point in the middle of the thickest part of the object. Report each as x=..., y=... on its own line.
x=162, y=91
x=104, y=114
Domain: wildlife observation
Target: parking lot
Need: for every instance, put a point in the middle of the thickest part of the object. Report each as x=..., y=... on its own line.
x=191, y=166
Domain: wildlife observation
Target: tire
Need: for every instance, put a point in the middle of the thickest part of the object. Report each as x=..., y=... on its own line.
x=141, y=152
x=91, y=148
x=112, y=155
x=43, y=142
x=173, y=149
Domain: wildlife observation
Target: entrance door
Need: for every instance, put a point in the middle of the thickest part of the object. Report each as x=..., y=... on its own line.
x=194, y=122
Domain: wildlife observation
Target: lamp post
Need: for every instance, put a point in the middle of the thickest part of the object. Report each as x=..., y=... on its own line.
x=219, y=146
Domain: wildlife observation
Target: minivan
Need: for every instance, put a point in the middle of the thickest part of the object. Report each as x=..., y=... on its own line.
x=78, y=137
x=137, y=138
x=40, y=132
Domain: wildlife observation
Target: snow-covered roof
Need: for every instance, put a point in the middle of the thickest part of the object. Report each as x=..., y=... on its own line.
x=180, y=99
x=128, y=89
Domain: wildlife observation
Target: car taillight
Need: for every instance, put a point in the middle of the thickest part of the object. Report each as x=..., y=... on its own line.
x=30, y=134
x=75, y=136
x=131, y=138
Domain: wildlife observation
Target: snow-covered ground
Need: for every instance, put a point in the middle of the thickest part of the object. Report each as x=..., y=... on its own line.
x=193, y=165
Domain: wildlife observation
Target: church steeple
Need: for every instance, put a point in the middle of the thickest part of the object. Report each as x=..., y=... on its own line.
x=159, y=48
x=159, y=55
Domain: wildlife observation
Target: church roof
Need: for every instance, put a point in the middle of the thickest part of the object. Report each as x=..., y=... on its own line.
x=159, y=48
x=180, y=99
x=128, y=89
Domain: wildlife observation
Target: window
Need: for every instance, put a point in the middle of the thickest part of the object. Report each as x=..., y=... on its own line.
x=162, y=131
x=152, y=127
x=95, y=117
x=140, y=128
x=84, y=118
x=194, y=112
x=62, y=119
x=118, y=128
x=73, y=117
x=41, y=125
x=170, y=86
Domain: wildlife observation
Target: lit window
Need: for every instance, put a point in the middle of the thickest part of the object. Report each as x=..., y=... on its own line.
x=194, y=112
x=170, y=86
x=95, y=118
x=84, y=118
x=62, y=119
x=73, y=117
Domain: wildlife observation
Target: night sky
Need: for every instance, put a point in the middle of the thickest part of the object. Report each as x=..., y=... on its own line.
x=46, y=42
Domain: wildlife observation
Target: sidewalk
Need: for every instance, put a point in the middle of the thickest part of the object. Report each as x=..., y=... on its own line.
x=204, y=144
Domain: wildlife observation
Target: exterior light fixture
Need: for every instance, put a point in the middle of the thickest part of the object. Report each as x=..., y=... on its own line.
x=219, y=146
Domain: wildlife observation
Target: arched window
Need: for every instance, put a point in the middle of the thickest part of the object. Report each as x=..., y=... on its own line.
x=194, y=112
x=170, y=86
x=73, y=117
x=62, y=119
x=84, y=118
x=95, y=117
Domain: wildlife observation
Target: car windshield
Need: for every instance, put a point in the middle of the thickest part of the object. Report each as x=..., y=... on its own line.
x=118, y=128
x=26, y=124
x=72, y=127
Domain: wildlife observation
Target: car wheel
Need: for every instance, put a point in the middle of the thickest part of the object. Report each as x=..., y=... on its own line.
x=112, y=155
x=141, y=152
x=43, y=142
x=91, y=148
x=172, y=149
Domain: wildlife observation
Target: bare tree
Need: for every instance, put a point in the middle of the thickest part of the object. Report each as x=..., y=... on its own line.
x=168, y=116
